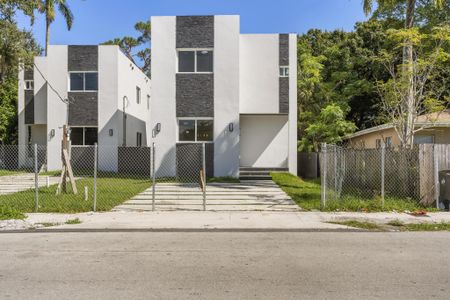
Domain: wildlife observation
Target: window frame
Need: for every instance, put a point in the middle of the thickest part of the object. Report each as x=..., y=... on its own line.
x=27, y=82
x=195, y=50
x=84, y=82
x=388, y=142
x=84, y=135
x=195, y=129
x=283, y=74
x=138, y=94
x=148, y=102
x=138, y=139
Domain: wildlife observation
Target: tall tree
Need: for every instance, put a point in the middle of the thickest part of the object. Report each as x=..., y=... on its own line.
x=47, y=8
x=137, y=47
x=410, y=102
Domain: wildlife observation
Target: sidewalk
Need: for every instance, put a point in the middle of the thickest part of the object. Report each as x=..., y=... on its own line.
x=212, y=220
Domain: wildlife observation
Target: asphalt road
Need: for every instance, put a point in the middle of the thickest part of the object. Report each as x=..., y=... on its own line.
x=145, y=265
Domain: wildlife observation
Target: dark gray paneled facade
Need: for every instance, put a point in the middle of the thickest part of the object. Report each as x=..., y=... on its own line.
x=28, y=74
x=284, y=49
x=195, y=32
x=83, y=111
x=29, y=107
x=284, y=95
x=195, y=95
x=284, y=81
x=83, y=58
x=189, y=160
x=134, y=160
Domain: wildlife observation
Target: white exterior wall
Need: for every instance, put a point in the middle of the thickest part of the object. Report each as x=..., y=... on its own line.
x=129, y=77
x=163, y=94
x=264, y=141
x=109, y=116
x=57, y=75
x=226, y=95
x=293, y=111
x=259, y=74
x=40, y=91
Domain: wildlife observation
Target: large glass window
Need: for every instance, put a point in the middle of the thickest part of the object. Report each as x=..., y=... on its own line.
x=91, y=81
x=76, y=81
x=186, y=61
x=204, y=61
x=83, y=136
x=195, y=130
x=186, y=130
x=195, y=61
x=84, y=81
x=205, y=130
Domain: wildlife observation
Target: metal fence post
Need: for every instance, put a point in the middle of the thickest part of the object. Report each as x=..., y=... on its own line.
x=323, y=178
x=153, y=177
x=204, y=176
x=383, y=158
x=95, y=175
x=36, y=179
x=335, y=173
x=436, y=176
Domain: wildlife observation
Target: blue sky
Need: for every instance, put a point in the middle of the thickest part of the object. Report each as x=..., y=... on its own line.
x=99, y=20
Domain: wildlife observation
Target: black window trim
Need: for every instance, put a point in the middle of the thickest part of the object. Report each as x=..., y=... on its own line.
x=84, y=82
x=196, y=119
x=195, y=50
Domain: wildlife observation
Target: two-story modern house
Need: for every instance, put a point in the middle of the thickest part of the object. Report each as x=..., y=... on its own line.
x=209, y=84
x=236, y=92
x=93, y=89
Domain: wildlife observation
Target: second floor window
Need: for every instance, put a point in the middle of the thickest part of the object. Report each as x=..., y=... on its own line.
x=29, y=85
x=138, y=95
x=284, y=71
x=195, y=61
x=83, y=81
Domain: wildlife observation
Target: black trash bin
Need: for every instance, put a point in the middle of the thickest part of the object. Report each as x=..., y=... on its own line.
x=444, y=188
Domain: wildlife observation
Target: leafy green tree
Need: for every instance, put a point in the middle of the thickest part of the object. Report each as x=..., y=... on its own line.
x=48, y=8
x=330, y=126
x=408, y=60
x=137, y=49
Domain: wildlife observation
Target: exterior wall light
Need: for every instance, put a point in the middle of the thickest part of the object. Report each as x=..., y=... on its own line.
x=52, y=133
x=158, y=127
x=111, y=132
x=231, y=127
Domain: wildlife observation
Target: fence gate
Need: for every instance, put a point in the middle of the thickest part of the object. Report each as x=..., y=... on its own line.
x=179, y=176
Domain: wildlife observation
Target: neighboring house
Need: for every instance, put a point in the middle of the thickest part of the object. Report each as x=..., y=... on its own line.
x=95, y=79
x=436, y=130
x=209, y=84
x=236, y=92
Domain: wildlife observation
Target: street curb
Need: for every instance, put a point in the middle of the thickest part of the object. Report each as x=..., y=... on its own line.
x=187, y=230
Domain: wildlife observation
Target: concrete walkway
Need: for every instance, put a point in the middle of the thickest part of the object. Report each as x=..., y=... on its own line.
x=218, y=220
x=263, y=195
x=21, y=182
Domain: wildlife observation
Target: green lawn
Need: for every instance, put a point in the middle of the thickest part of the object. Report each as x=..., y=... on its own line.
x=8, y=172
x=110, y=192
x=306, y=193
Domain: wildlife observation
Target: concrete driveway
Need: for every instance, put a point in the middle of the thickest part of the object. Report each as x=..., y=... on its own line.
x=21, y=182
x=262, y=195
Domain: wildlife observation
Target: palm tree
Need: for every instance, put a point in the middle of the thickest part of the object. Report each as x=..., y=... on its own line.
x=47, y=7
x=408, y=56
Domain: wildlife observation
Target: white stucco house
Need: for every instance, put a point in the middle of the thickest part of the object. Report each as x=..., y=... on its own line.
x=237, y=93
x=99, y=83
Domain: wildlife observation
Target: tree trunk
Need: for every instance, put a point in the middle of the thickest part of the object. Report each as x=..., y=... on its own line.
x=408, y=61
x=47, y=26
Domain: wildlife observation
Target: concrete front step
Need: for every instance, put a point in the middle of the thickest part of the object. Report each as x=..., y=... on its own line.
x=263, y=169
x=255, y=177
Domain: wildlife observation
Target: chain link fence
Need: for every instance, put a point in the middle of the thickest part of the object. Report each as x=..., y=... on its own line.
x=385, y=172
x=105, y=178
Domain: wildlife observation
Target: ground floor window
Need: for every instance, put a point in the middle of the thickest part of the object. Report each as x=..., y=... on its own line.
x=83, y=136
x=195, y=130
x=139, y=139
